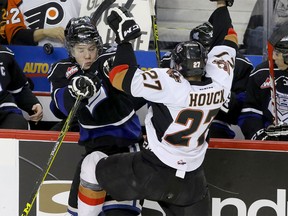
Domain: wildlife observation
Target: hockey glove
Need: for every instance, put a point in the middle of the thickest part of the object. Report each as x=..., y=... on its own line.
x=83, y=86
x=277, y=133
x=260, y=135
x=278, y=130
x=123, y=25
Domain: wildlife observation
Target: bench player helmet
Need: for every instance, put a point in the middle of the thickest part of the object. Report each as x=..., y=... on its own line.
x=282, y=46
x=189, y=58
x=81, y=30
x=203, y=34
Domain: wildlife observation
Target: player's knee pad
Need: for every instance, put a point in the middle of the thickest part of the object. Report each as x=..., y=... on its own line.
x=87, y=175
x=132, y=206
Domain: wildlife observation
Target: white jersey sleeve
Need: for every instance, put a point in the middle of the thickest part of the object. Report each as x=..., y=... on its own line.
x=220, y=65
x=159, y=85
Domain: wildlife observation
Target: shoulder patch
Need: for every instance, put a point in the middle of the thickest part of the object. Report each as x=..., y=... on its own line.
x=70, y=71
x=174, y=74
x=266, y=84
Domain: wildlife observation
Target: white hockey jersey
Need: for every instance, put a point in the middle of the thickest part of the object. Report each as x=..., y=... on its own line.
x=48, y=14
x=178, y=119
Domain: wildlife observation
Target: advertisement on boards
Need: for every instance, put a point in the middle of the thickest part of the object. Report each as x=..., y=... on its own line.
x=247, y=183
x=242, y=182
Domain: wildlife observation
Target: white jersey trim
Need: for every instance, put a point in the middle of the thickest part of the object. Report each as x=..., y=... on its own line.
x=112, y=124
x=8, y=105
x=251, y=110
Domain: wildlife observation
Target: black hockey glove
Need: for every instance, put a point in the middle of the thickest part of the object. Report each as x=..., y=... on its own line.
x=277, y=133
x=228, y=2
x=260, y=135
x=84, y=86
x=279, y=130
x=123, y=24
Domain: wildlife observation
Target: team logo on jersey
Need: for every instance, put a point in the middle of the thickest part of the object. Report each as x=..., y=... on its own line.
x=281, y=84
x=222, y=63
x=174, y=74
x=51, y=13
x=282, y=97
x=70, y=71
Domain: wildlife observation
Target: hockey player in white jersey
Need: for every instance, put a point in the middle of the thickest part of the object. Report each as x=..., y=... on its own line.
x=183, y=103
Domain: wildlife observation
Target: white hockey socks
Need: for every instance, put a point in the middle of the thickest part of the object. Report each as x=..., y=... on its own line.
x=90, y=202
x=91, y=197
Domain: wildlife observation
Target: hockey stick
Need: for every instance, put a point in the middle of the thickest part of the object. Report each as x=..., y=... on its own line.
x=272, y=82
x=155, y=30
x=53, y=154
x=275, y=37
x=100, y=9
x=128, y=4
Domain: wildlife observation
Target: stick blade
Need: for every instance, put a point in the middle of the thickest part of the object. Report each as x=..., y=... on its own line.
x=128, y=4
x=99, y=11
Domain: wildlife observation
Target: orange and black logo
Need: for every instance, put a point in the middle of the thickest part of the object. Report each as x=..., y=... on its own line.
x=51, y=13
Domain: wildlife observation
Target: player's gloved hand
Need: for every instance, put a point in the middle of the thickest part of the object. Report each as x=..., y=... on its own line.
x=277, y=130
x=123, y=24
x=272, y=132
x=83, y=86
x=260, y=135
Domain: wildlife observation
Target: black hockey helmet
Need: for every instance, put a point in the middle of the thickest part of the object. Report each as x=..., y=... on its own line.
x=203, y=34
x=81, y=30
x=191, y=56
x=282, y=46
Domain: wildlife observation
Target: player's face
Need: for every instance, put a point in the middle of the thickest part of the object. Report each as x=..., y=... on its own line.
x=279, y=61
x=85, y=54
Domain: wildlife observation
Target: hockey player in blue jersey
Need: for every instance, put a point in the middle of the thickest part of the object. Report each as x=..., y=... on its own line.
x=257, y=119
x=16, y=95
x=106, y=116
